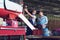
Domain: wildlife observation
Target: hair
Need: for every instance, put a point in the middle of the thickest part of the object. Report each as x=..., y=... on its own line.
x=41, y=10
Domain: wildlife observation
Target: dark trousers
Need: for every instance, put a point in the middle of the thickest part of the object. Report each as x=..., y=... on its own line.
x=29, y=31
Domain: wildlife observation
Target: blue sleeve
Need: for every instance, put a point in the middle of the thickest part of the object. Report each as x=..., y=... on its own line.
x=46, y=20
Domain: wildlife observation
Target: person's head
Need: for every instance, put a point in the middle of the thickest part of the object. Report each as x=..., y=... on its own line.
x=41, y=13
x=34, y=12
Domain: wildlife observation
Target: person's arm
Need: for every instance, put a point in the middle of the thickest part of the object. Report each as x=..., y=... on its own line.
x=46, y=20
x=29, y=13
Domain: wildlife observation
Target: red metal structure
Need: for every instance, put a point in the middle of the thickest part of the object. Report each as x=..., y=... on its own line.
x=13, y=29
x=10, y=31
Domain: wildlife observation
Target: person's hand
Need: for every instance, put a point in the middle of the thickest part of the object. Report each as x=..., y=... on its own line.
x=25, y=6
x=26, y=9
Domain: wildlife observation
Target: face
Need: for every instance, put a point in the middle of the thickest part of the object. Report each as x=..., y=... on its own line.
x=34, y=12
x=41, y=13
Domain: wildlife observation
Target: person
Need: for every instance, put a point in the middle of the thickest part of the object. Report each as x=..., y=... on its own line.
x=42, y=20
x=32, y=18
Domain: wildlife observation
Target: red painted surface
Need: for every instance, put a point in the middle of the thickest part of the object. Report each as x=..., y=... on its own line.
x=4, y=12
x=14, y=23
x=37, y=32
x=8, y=31
x=12, y=16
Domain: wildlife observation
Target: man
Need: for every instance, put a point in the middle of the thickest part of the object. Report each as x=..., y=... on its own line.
x=42, y=20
